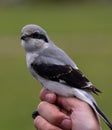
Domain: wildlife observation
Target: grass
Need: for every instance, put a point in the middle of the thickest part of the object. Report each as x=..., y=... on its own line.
x=83, y=31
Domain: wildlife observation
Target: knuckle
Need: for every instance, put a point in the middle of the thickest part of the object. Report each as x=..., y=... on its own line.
x=42, y=124
x=41, y=106
x=43, y=93
x=57, y=118
x=36, y=121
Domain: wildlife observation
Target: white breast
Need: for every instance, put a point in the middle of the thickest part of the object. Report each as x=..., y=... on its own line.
x=30, y=57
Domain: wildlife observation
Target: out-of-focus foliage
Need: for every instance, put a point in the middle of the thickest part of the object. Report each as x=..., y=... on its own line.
x=51, y=1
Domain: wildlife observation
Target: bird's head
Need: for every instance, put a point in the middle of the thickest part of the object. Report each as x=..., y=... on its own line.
x=33, y=37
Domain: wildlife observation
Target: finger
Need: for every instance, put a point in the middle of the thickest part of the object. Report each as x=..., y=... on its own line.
x=78, y=110
x=52, y=114
x=42, y=124
x=71, y=103
x=46, y=95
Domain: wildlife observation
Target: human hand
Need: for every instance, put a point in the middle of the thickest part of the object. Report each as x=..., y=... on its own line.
x=57, y=113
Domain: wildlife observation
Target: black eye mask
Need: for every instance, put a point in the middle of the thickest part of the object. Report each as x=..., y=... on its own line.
x=36, y=35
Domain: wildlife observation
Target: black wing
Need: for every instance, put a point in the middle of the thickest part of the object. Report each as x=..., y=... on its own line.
x=72, y=77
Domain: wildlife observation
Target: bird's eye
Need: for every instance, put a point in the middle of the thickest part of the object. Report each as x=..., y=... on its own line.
x=36, y=35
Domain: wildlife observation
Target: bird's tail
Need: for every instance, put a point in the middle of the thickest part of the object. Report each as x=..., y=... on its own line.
x=87, y=97
x=102, y=115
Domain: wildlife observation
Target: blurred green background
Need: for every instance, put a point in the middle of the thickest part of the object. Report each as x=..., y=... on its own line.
x=82, y=29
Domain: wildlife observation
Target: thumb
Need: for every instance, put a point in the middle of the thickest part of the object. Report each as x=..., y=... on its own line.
x=71, y=103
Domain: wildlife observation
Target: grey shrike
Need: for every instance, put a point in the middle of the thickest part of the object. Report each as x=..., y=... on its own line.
x=55, y=70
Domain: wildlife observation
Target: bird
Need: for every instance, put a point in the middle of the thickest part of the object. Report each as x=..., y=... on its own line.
x=55, y=70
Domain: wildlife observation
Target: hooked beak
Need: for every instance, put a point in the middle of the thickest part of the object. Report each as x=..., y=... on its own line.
x=23, y=37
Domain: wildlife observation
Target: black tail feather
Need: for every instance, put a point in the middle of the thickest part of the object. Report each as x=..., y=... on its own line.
x=106, y=120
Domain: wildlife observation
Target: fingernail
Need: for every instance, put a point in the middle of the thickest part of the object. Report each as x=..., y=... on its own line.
x=49, y=97
x=66, y=124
